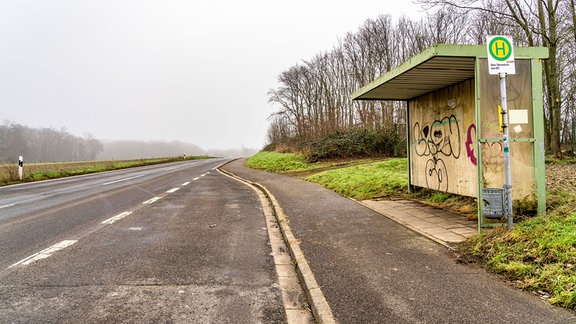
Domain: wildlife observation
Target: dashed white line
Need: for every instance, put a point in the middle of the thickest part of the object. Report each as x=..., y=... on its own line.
x=45, y=253
x=152, y=200
x=116, y=218
x=66, y=243
x=125, y=179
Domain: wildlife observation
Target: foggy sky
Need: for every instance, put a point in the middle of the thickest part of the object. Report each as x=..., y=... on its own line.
x=190, y=71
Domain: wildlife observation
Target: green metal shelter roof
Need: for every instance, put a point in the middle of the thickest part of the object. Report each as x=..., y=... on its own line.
x=437, y=67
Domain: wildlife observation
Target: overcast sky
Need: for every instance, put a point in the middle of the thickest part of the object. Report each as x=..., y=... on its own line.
x=193, y=71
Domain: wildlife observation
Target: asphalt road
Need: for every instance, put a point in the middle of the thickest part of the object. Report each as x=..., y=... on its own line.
x=165, y=243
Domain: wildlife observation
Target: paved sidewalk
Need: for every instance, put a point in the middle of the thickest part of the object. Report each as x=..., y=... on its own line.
x=442, y=226
x=373, y=269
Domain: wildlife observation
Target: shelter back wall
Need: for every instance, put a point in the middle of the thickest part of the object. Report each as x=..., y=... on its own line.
x=443, y=140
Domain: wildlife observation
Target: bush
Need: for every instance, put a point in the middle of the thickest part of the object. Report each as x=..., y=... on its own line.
x=352, y=144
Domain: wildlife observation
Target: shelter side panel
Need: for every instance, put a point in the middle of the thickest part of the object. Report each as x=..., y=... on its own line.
x=519, y=102
x=443, y=140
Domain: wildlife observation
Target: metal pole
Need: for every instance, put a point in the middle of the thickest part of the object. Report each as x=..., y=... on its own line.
x=508, y=185
x=573, y=131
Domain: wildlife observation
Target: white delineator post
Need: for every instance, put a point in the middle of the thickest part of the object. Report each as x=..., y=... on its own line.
x=20, y=166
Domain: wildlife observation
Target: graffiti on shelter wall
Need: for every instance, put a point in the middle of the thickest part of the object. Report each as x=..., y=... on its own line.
x=437, y=140
x=470, y=142
x=442, y=145
x=490, y=150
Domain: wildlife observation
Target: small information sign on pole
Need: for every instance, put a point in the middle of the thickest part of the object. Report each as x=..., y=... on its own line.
x=501, y=62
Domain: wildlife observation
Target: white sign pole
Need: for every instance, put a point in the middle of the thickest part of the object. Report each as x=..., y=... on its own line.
x=20, y=165
x=507, y=171
x=501, y=62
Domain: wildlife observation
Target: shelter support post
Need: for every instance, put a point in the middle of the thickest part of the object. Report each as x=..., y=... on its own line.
x=538, y=155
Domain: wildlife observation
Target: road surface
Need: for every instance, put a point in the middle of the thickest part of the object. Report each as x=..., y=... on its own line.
x=166, y=243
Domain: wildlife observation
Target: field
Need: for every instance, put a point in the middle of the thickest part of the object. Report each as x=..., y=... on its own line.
x=44, y=171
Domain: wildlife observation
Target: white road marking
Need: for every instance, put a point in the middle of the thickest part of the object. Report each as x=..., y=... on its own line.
x=149, y=201
x=66, y=243
x=45, y=253
x=116, y=218
x=125, y=179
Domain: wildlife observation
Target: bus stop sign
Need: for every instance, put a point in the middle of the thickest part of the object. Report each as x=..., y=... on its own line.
x=500, y=55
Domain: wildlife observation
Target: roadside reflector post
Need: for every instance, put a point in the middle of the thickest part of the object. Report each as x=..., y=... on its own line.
x=20, y=166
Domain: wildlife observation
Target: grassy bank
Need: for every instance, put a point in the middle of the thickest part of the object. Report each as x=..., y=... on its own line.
x=537, y=255
x=366, y=181
x=281, y=163
x=44, y=171
x=359, y=178
x=362, y=179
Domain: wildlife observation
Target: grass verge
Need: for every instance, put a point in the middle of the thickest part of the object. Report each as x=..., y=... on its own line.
x=366, y=181
x=360, y=178
x=278, y=162
x=45, y=171
x=537, y=255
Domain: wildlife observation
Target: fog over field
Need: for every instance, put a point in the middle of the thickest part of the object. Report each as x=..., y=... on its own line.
x=145, y=149
x=174, y=71
x=58, y=145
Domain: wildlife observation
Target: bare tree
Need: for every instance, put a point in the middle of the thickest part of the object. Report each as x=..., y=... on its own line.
x=45, y=144
x=314, y=97
x=539, y=21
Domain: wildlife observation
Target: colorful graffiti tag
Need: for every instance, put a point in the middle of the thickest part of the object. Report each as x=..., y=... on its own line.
x=471, y=143
x=490, y=150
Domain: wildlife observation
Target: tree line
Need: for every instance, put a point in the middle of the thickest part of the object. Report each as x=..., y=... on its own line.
x=313, y=98
x=52, y=145
x=45, y=145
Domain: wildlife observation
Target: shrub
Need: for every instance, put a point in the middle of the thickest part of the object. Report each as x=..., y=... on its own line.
x=352, y=144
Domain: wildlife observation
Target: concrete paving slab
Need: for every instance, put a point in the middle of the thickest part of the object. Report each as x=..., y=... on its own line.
x=444, y=227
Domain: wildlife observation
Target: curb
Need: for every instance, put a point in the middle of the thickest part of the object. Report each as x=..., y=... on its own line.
x=320, y=307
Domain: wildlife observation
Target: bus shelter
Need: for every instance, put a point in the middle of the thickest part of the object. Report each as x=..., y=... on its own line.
x=454, y=135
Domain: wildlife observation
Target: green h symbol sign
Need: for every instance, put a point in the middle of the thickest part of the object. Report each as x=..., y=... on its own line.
x=500, y=48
